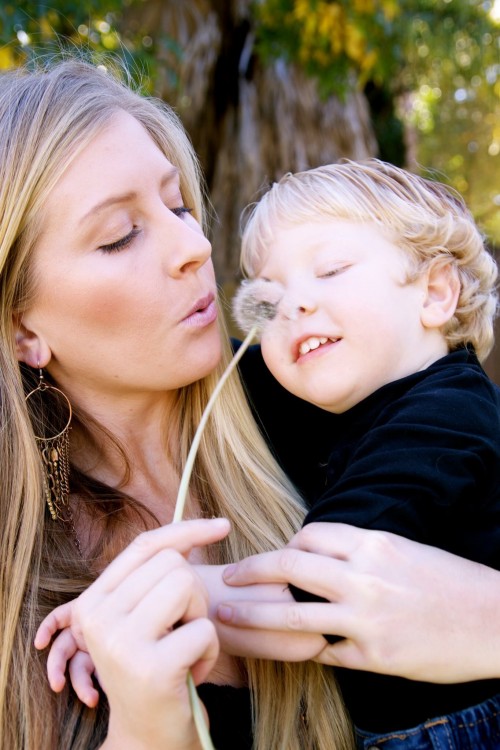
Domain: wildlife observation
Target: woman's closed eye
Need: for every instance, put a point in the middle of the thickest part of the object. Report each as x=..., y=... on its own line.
x=180, y=210
x=122, y=243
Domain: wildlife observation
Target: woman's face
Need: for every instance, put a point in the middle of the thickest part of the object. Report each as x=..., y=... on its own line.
x=124, y=283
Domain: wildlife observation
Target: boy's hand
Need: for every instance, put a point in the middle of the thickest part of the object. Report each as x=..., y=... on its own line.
x=68, y=651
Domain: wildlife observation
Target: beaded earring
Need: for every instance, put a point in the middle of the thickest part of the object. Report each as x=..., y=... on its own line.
x=53, y=450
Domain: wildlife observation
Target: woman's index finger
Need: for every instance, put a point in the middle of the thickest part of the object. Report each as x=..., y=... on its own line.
x=181, y=537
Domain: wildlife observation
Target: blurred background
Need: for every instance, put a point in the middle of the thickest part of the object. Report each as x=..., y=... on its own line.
x=269, y=86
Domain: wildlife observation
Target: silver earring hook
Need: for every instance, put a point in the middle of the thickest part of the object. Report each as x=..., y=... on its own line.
x=42, y=385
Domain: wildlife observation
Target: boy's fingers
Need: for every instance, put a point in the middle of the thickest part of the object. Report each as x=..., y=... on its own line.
x=81, y=669
x=63, y=648
x=59, y=618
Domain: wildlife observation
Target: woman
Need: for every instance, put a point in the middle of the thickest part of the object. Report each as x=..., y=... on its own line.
x=109, y=313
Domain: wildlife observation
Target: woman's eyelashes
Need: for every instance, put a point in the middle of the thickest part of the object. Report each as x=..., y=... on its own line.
x=181, y=210
x=123, y=242
x=120, y=244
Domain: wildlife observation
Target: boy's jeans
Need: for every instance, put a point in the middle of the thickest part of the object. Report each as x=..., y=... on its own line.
x=476, y=728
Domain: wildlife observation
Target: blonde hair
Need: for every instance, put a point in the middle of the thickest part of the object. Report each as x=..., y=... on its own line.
x=46, y=118
x=429, y=221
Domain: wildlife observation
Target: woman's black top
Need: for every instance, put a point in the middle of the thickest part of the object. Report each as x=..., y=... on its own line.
x=230, y=717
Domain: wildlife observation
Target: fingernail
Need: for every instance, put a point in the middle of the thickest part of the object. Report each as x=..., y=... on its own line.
x=224, y=613
x=228, y=572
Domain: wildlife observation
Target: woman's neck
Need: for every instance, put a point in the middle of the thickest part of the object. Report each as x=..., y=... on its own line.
x=135, y=458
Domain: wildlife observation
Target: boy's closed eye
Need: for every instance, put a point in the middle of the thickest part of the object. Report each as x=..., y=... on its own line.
x=329, y=271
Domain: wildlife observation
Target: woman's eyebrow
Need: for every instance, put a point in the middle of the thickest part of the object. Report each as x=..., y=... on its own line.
x=124, y=197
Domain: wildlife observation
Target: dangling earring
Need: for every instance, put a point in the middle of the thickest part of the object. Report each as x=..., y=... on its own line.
x=53, y=450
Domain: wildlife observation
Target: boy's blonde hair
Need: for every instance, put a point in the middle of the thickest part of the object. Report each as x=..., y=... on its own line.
x=430, y=222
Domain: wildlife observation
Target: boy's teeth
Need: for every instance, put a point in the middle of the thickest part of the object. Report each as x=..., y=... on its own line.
x=312, y=343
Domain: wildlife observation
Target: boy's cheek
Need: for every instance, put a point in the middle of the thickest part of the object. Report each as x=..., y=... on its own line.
x=273, y=352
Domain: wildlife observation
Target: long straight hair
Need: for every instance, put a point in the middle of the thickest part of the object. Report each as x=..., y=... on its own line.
x=46, y=118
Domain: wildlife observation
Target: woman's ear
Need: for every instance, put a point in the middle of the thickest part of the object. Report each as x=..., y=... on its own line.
x=441, y=294
x=30, y=347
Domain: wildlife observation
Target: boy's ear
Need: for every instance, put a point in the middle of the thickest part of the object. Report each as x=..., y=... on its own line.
x=31, y=348
x=441, y=295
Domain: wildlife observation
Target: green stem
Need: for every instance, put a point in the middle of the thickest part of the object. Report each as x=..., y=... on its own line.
x=198, y=715
x=186, y=474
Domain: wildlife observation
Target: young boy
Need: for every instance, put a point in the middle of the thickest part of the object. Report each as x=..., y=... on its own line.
x=387, y=308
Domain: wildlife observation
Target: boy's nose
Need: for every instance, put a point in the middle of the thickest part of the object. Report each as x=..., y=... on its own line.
x=294, y=306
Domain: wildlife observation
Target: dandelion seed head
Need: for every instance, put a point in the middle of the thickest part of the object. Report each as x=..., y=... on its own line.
x=255, y=303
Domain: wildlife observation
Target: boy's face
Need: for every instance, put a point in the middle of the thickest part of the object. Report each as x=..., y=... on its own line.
x=349, y=322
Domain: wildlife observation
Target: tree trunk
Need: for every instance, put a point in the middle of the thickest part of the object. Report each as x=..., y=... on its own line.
x=249, y=123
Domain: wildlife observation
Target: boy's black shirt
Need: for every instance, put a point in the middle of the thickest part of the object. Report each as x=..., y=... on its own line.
x=420, y=457
x=293, y=428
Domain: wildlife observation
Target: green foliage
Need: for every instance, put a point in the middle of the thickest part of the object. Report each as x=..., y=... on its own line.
x=30, y=29
x=436, y=61
x=458, y=118
x=348, y=42
x=336, y=42
x=455, y=107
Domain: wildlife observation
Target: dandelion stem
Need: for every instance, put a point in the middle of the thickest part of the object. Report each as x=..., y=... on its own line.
x=198, y=716
x=199, y=719
x=186, y=474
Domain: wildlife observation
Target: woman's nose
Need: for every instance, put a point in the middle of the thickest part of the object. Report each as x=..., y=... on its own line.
x=187, y=249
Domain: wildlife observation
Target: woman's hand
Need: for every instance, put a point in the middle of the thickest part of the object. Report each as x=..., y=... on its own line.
x=402, y=608
x=144, y=623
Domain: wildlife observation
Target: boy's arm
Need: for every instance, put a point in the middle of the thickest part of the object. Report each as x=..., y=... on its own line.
x=293, y=646
x=69, y=650
x=427, y=470
x=433, y=458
